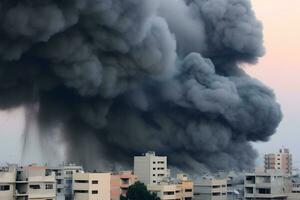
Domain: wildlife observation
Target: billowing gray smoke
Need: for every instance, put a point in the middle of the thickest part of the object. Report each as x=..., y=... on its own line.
x=122, y=77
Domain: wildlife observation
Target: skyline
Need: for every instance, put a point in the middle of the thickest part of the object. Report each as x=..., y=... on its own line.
x=278, y=69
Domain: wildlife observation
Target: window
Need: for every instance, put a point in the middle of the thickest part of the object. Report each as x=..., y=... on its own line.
x=35, y=187
x=81, y=181
x=188, y=190
x=81, y=191
x=216, y=186
x=49, y=186
x=94, y=182
x=154, y=168
x=154, y=181
x=59, y=181
x=95, y=192
x=160, y=175
x=264, y=190
x=69, y=172
x=58, y=190
x=216, y=194
x=169, y=193
x=4, y=187
x=153, y=174
x=68, y=181
x=154, y=162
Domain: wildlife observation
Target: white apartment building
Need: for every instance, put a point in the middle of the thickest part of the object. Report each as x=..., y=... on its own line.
x=210, y=188
x=91, y=186
x=150, y=169
x=64, y=180
x=265, y=186
x=27, y=183
x=279, y=161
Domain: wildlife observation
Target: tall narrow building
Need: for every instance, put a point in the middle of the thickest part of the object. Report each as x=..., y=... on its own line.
x=150, y=169
x=281, y=161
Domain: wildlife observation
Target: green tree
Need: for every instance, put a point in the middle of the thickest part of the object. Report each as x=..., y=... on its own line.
x=138, y=191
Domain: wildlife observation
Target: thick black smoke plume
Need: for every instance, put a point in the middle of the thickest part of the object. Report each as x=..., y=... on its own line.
x=121, y=77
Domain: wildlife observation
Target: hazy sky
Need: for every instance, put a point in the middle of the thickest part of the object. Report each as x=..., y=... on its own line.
x=279, y=69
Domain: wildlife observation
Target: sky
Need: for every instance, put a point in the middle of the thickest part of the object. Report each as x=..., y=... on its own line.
x=279, y=69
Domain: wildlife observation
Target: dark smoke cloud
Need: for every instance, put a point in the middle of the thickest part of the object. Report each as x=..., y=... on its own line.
x=121, y=77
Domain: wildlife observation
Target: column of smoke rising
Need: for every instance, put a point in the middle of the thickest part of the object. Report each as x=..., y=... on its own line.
x=126, y=76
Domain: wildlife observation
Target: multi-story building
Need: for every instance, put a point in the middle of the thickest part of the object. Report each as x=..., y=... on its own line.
x=7, y=182
x=294, y=193
x=269, y=185
x=91, y=186
x=187, y=187
x=150, y=169
x=120, y=182
x=33, y=182
x=64, y=180
x=279, y=161
x=210, y=188
x=27, y=183
x=173, y=189
x=235, y=186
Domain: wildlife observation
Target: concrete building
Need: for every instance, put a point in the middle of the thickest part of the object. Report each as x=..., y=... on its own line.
x=269, y=185
x=279, y=161
x=210, y=188
x=235, y=186
x=27, y=183
x=33, y=182
x=91, y=186
x=294, y=193
x=64, y=180
x=7, y=182
x=120, y=182
x=150, y=169
x=187, y=187
x=173, y=189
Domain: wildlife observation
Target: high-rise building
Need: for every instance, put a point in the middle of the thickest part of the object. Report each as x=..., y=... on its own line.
x=281, y=161
x=150, y=169
x=64, y=179
x=120, y=182
x=91, y=186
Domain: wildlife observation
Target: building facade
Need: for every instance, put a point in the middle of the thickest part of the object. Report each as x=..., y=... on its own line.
x=7, y=182
x=150, y=169
x=294, y=192
x=265, y=186
x=27, y=183
x=91, y=186
x=173, y=189
x=64, y=180
x=120, y=182
x=279, y=161
x=187, y=187
x=210, y=188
